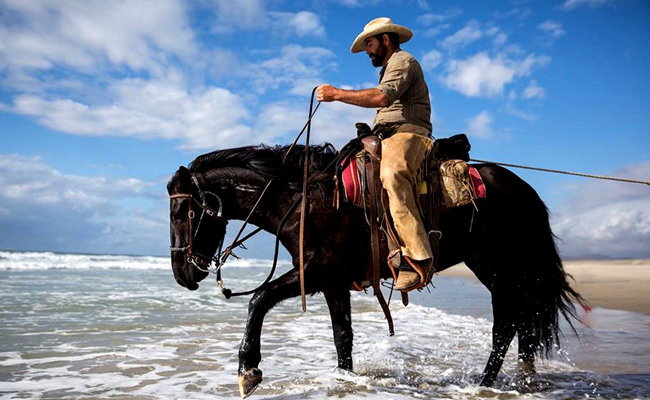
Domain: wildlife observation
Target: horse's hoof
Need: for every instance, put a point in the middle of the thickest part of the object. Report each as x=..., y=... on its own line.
x=345, y=371
x=487, y=381
x=525, y=370
x=248, y=382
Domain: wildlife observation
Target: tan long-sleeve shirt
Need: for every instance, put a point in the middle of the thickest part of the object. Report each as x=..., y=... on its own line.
x=402, y=81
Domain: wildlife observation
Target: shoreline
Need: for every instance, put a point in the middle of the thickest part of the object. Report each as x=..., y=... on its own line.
x=615, y=284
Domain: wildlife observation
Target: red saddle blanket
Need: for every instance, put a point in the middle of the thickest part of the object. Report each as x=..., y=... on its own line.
x=352, y=182
x=477, y=182
x=353, y=188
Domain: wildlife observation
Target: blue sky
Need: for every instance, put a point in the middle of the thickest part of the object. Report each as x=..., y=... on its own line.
x=101, y=101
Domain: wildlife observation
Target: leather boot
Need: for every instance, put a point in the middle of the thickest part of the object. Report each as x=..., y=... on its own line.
x=408, y=279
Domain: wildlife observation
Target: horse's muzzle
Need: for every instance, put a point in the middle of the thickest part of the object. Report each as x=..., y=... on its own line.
x=192, y=286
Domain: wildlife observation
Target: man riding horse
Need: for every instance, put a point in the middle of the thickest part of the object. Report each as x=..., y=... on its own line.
x=403, y=123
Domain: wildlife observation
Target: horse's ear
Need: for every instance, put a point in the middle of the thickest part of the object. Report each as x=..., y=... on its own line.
x=183, y=172
x=184, y=176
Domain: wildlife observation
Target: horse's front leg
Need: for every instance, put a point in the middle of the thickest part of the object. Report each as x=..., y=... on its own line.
x=338, y=302
x=286, y=286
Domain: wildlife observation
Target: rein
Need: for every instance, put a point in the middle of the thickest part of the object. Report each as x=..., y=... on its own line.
x=236, y=242
x=229, y=293
x=220, y=258
x=303, y=208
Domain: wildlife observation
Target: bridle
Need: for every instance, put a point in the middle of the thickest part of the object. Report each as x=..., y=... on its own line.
x=203, y=262
x=200, y=261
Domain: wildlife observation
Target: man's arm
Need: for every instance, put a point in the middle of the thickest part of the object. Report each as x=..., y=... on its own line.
x=369, y=98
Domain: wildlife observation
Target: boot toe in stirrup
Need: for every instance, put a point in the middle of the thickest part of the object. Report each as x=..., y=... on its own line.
x=407, y=280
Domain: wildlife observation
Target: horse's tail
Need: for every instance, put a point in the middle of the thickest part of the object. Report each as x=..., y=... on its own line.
x=555, y=294
x=537, y=283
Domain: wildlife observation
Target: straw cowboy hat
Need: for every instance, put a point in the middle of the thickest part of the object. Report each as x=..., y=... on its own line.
x=377, y=26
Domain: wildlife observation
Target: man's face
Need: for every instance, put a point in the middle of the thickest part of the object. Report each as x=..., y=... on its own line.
x=376, y=51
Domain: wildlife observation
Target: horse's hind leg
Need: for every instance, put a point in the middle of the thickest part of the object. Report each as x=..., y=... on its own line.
x=527, y=348
x=503, y=331
x=504, y=327
x=338, y=302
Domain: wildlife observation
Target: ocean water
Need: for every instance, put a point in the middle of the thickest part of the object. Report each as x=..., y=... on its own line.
x=119, y=327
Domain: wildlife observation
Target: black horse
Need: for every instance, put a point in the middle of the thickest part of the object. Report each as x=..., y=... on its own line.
x=508, y=244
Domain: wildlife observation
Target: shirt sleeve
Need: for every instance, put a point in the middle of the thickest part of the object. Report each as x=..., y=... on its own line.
x=397, y=79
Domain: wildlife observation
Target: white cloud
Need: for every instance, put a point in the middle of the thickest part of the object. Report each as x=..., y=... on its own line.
x=278, y=120
x=572, y=4
x=148, y=109
x=553, y=30
x=253, y=15
x=517, y=13
x=225, y=64
x=29, y=181
x=246, y=14
x=294, y=66
x=167, y=108
x=510, y=109
x=499, y=39
x=606, y=218
x=436, y=30
x=349, y=3
x=483, y=76
x=333, y=122
x=44, y=209
x=533, y=91
x=298, y=67
x=108, y=69
x=307, y=24
x=436, y=23
x=357, y=3
x=473, y=32
x=88, y=35
x=422, y=4
x=479, y=126
x=433, y=18
x=431, y=60
x=595, y=193
x=303, y=23
x=468, y=34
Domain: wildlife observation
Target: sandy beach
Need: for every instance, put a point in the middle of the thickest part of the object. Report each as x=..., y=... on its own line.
x=616, y=284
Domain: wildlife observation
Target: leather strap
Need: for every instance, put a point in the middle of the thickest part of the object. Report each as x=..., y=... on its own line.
x=374, y=224
x=394, y=248
x=373, y=148
x=303, y=206
x=434, y=197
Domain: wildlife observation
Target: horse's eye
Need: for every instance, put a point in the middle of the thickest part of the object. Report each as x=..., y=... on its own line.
x=176, y=218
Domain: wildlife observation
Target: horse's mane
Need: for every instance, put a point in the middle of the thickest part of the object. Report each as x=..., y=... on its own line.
x=269, y=161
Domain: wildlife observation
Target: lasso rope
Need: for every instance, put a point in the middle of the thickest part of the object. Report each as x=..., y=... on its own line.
x=609, y=178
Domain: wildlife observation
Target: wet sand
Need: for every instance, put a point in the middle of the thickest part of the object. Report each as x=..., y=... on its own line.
x=615, y=284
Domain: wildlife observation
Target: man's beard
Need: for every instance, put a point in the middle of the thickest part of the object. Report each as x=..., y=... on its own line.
x=379, y=56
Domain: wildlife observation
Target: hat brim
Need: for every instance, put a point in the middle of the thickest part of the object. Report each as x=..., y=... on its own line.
x=359, y=43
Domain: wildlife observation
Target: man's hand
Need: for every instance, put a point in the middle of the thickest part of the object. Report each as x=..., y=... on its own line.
x=326, y=93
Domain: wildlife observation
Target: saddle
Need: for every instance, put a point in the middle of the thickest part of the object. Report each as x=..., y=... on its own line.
x=447, y=182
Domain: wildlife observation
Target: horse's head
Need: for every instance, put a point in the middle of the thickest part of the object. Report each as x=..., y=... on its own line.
x=197, y=228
